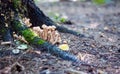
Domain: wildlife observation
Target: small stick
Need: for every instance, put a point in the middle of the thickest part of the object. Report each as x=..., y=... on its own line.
x=20, y=38
x=6, y=43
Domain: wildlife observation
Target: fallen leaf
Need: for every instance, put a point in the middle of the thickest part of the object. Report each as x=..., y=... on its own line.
x=22, y=46
x=64, y=47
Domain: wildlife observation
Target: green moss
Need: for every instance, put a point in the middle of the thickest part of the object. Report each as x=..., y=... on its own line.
x=28, y=35
x=31, y=37
x=62, y=20
x=38, y=41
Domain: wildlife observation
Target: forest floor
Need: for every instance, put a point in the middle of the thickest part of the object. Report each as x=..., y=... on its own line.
x=100, y=22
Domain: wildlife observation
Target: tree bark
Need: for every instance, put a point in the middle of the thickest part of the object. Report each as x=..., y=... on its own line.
x=5, y=32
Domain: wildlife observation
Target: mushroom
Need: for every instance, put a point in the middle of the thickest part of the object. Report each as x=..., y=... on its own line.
x=41, y=33
x=49, y=28
x=53, y=27
x=49, y=36
x=57, y=38
x=53, y=31
x=45, y=30
x=48, y=33
x=65, y=42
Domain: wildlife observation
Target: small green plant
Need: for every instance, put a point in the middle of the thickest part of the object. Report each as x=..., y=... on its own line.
x=58, y=18
x=62, y=20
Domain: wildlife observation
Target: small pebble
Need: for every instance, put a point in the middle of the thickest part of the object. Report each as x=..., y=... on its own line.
x=16, y=51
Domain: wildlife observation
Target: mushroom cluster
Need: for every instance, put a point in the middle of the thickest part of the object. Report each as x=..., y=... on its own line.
x=48, y=33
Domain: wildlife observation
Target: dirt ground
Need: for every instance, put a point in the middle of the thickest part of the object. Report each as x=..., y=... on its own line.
x=100, y=22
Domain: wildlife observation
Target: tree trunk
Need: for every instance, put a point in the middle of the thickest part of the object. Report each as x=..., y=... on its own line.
x=38, y=18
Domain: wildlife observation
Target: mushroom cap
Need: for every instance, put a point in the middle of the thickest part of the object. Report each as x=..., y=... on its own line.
x=44, y=26
x=49, y=28
x=37, y=28
x=54, y=27
x=65, y=42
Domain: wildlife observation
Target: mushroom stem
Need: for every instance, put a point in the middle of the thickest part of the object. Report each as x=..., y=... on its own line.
x=41, y=33
x=45, y=30
x=49, y=37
